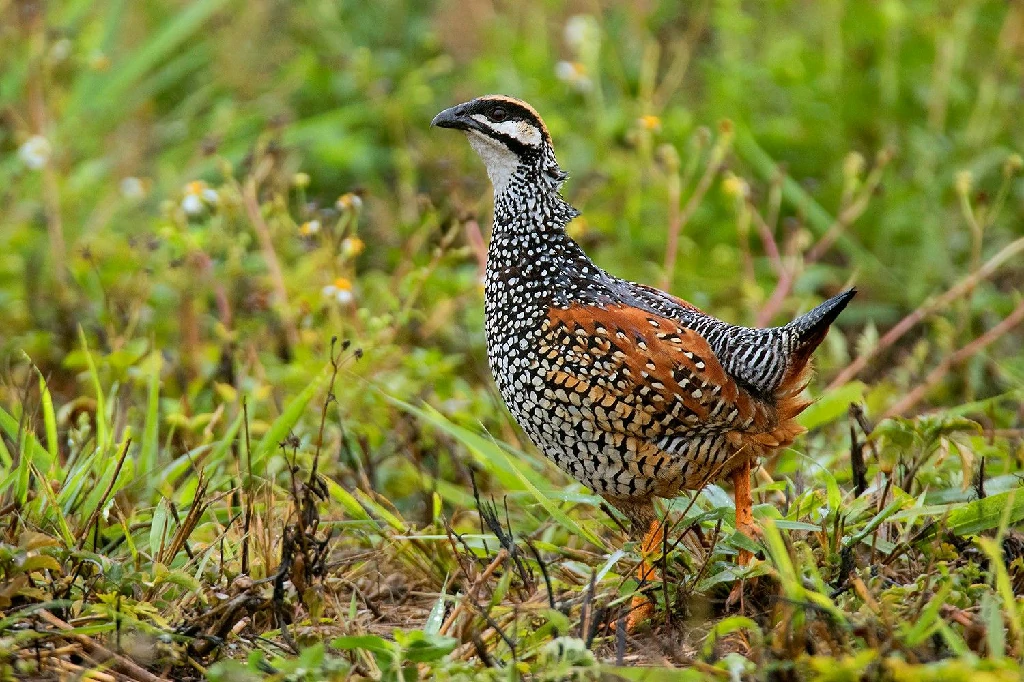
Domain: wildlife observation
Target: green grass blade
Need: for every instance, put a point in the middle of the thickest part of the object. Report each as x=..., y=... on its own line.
x=283, y=425
x=51, y=501
x=102, y=433
x=491, y=452
x=987, y=513
x=151, y=429
x=154, y=52
x=49, y=419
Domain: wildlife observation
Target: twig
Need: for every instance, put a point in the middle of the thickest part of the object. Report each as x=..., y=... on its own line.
x=937, y=374
x=476, y=242
x=715, y=161
x=94, y=517
x=907, y=323
x=471, y=593
x=860, y=469
x=252, y=208
x=101, y=653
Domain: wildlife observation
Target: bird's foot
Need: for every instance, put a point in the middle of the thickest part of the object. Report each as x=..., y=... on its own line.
x=641, y=609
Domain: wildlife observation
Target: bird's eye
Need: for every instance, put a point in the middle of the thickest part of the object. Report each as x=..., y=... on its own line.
x=498, y=115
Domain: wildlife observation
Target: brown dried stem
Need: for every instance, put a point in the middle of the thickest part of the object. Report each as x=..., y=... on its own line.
x=907, y=323
x=968, y=351
x=101, y=653
x=680, y=219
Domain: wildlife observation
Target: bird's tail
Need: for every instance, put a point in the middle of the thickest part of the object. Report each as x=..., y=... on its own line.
x=810, y=330
x=812, y=326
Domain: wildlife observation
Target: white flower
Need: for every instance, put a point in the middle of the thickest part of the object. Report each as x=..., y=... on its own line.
x=60, y=50
x=35, y=152
x=578, y=31
x=309, y=228
x=198, y=197
x=132, y=188
x=192, y=204
x=349, y=202
x=340, y=290
x=575, y=74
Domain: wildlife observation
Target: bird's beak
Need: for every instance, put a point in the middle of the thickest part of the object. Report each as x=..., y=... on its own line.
x=452, y=118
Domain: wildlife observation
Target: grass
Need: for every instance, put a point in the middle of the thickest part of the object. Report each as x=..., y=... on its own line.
x=247, y=430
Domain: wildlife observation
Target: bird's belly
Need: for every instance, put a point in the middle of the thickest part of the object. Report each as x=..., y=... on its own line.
x=620, y=455
x=573, y=433
x=564, y=425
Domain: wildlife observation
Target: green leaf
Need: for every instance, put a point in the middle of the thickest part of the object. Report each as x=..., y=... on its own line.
x=102, y=437
x=51, y=502
x=832, y=405
x=49, y=419
x=283, y=425
x=419, y=647
x=376, y=645
x=41, y=562
x=1004, y=588
x=436, y=617
x=729, y=625
x=985, y=514
x=928, y=621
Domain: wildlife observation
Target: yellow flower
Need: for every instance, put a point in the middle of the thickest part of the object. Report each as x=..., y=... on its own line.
x=352, y=247
x=650, y=122
x=964, y=181
x=734, y=186
x=309, y=228
x=349, y=202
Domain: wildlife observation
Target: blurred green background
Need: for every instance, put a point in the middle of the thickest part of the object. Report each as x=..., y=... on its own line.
x=229, y=185
x=198, y=195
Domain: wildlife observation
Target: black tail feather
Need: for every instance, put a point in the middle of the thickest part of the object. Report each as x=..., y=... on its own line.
x=812, y=326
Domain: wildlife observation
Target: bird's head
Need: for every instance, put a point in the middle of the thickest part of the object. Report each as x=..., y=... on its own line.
x=508, y=134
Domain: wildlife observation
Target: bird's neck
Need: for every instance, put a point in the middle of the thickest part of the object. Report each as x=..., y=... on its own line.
x=530, y=217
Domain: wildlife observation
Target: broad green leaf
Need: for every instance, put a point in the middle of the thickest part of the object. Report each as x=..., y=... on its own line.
x=985, y=514
x=832, y=406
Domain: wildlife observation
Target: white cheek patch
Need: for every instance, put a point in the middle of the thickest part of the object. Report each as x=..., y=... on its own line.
x=520, y=131
x=500, y=161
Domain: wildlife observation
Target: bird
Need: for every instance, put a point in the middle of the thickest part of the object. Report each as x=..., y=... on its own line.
x=632, y=391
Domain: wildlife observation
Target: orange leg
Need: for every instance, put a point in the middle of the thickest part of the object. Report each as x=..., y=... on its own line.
x=744, y=508
x=744, y=522
x=641, y=607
